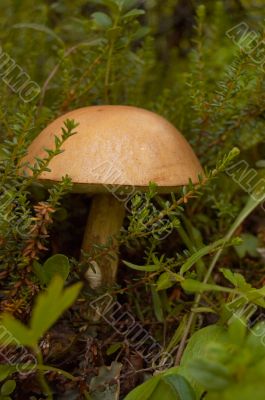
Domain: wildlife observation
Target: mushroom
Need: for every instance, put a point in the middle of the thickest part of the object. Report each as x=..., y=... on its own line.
x=116, y=149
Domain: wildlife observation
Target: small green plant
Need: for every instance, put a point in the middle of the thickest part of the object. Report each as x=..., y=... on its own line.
x=6, y=389
x=224, y=363
x=49, y=306
x=57, y=264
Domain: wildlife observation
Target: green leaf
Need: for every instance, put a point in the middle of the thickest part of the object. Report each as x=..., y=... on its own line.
x=200, y=340
x=169, y=386
x=237, y=331
x=144, y=268
x=141, y=33
x=256, y=296
x=16, y=332
x=191, y=285
x=235, y=278
x=133, y=13
x=180, y=386
x=113, y=348
x=248, y=246
x=204, y=310
x=197, y=348
x=177, y=335
x=48, y=308
x=102, y=20
x=252, y=388
x=229, y=275
x=255, y=341
x=40, y=28
x=201, y=253
x=57, y=264
x=158, y=309
x=165, y=281
x=209, y=374
x=5, y=370
x=144, y=391
x=8, y=387
x=39, y=272
x=127, y=4
x=232, y=366
x=51, y=304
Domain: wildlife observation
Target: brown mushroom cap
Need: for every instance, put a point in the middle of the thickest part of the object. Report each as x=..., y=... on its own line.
x=118, y=145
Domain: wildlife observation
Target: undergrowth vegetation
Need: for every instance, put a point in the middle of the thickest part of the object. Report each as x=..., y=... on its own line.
x=189, y=298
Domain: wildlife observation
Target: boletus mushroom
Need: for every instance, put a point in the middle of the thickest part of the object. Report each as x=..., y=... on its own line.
x=116, y=148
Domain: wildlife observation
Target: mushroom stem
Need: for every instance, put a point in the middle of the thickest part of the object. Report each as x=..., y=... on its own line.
x=104, y=222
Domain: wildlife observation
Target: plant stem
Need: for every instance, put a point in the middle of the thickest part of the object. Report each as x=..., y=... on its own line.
x=45, y=387
x=104, y=223
x=47, y=368
x=58, y=370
